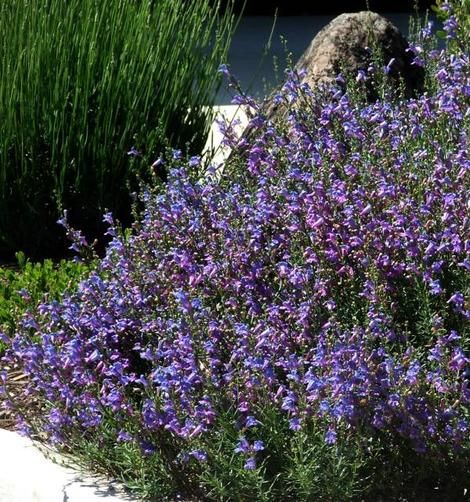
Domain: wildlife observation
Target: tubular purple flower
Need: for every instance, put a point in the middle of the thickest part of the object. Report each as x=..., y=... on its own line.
x=321, y=277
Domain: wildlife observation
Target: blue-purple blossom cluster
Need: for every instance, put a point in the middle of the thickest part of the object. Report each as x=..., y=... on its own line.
x=325, y=275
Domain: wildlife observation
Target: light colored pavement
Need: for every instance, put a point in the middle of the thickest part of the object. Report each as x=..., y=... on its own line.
x=26, y=475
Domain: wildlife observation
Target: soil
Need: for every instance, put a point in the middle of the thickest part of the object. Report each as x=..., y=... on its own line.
x=16, y=381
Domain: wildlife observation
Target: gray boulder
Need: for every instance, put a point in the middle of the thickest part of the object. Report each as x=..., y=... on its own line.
x=342, y=46
x=345, y=46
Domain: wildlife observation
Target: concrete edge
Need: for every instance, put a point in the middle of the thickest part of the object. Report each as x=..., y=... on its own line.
x=28, y=475
x=213, y=148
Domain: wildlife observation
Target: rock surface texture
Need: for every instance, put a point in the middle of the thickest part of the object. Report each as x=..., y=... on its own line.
x=342, y=46
x=346, y=45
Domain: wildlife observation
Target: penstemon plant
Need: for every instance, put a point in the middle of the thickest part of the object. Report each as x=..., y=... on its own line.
x=295, y=328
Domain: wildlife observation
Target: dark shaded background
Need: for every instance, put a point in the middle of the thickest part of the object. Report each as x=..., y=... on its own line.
x=315, y=7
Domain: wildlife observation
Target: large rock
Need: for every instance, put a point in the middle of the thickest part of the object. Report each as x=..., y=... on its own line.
x=346, y=45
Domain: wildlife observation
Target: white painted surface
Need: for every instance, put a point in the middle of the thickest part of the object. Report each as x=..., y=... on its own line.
x=26, y=475
x=230, y=113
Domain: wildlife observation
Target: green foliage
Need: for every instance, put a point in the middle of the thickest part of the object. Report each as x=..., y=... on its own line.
x=82, y=83
x=24, y=286
x=397, y=472
x=364, y=461
x=461, y=10
x=294, y=466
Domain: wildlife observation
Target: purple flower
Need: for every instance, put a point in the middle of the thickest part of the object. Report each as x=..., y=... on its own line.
x=450, y=26
x=295, y=424
x=243, y=446
x=133, y=152
x=361, y=76
x=147, y=447
x=435, y=287
x=159, y=162
x=194, y=161
x=289, y=403
x=199, y=455
x=330, y=436
x=458, y=360
x=251, y=421
x=389, y=66
x=224, y=69
x=124, y=436
x=458, y=300
x=250, y=464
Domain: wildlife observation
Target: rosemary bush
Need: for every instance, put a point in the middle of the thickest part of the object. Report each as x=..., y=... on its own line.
x=84, y=81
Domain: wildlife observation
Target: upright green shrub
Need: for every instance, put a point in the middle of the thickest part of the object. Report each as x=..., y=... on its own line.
x=84, y=81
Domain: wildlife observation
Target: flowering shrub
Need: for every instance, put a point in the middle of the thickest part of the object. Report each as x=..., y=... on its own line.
x=312, y=300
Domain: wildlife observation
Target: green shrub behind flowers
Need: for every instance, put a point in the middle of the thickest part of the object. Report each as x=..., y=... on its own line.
x=25, y=284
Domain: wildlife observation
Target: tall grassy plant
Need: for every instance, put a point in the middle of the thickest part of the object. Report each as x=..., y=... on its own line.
x=82, y=82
